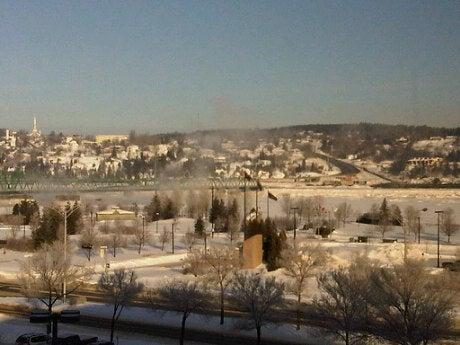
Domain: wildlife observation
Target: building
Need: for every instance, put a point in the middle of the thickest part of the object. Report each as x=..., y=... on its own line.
x=35, y=132
x=114, y=138
x=425, y=161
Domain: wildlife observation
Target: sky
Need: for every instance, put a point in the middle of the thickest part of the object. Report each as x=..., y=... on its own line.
x=160, y=66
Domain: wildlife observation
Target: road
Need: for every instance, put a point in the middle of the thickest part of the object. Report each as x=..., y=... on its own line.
x=209, y=336
x=345, y=168
x=12, y=326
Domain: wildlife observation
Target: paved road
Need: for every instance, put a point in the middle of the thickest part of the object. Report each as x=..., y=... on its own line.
x=346, y=168
x=12, y=326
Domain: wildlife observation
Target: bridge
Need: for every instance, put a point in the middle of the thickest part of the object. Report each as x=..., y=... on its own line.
x=12, y=184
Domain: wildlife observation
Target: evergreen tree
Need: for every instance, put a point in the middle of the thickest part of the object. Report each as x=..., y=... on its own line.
x=199, y=226
x=218, y=210
x=273, y=242
x=170, y=210
x=396, y=215
x=26, y=208
x=233, y=210
x=153, y=209
x=47, y=231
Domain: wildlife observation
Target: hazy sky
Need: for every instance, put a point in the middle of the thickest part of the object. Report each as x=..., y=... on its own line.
x=153, y=66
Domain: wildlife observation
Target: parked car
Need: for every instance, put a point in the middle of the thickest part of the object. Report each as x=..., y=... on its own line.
x=75, y=339
x=33, y=339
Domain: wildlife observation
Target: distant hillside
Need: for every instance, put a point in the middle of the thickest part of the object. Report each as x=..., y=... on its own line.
x=380, y=132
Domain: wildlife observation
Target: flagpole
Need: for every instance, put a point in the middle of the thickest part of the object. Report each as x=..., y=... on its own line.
x=257, y=202
x=244, y=207
x=268, y=205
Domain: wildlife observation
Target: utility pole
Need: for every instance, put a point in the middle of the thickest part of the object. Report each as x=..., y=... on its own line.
x=244, y=208
x=143, y=230
x=257, y=202
x=295, y=221
x=66, y=214
x=268, y=206
x=419, y=224
x=405, y=240
x=439, y=213
x=212, y=208
x=64, y=284
x=172, y=237
x=205, y=235
x=156, y=222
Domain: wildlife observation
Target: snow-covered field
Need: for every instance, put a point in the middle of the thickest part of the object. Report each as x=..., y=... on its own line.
x=154, y=266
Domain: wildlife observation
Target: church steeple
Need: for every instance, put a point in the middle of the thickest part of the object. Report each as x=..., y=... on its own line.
x=35, y=132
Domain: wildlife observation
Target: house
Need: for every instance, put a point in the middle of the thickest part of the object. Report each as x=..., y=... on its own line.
x=113, y=138
x=425, y=161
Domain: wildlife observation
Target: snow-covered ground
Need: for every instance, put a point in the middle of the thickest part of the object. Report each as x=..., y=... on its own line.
x=154, y=265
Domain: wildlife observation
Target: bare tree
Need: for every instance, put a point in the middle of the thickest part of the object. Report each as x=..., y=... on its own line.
x=383, y=227
x=15, y=226
x=116, y=240
x=42, y=275
x=140, y=236
x=233, y=231
x=319, y=209
x=410, y=305
x=449, y=227
x=164, y=238
x=191, y=203
x=88, y=240
x=222, y=263
x=342, y=302
x=286, y=203
x=343, y=212
x=185, y=296
x=121, y=287
x=189, y=239
x=308, y=210
x=411, y=216
x=257, y=296
x=299, y=264
x=194, y=263
x=177, y=198
x=203, y=201
x=34, y=222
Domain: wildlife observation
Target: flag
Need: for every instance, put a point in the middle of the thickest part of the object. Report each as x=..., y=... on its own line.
x=271, y=196
x=259, y=185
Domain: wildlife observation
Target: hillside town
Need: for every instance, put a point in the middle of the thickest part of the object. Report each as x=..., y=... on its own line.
x=307, y=156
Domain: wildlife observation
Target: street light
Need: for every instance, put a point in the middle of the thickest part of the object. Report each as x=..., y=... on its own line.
x=419, y=226
x=439, y=213
x=66, y=214
x=295, y=221
x=156, y=222
x=173, y=224
x=205, y=234
x=212, y=208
